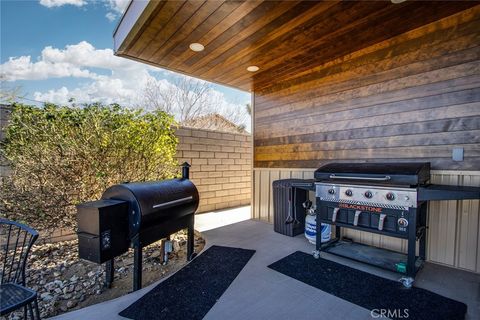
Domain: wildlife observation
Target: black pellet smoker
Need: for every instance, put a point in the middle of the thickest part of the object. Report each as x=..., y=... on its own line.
x=136, y=215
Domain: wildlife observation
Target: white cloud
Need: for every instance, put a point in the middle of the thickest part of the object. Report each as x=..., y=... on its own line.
x=116, y=8
x=123, y=81
x=85, y=55
x=105, y=89
x=111, y=16
x=73, y=61
x=23, y=68
x=61, y=95
x=59, y=3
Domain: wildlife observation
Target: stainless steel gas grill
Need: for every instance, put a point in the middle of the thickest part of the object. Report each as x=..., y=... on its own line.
x=136, y=215
x=384, y=198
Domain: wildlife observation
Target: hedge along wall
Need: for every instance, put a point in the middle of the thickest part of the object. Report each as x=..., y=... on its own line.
x=4, y=116
x=221, y=166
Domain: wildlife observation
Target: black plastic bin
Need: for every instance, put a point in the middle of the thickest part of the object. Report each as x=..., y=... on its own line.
x=288, y=212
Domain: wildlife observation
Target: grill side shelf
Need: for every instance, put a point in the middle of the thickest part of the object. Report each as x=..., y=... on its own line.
x=446, y=192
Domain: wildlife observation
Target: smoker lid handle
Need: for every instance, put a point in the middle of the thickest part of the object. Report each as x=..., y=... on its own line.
x=385, y=178
x=172, y=203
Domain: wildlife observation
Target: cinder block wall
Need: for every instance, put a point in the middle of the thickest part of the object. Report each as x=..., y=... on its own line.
x=221, y=166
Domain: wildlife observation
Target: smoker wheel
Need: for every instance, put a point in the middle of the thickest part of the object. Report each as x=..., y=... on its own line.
x=316, y=254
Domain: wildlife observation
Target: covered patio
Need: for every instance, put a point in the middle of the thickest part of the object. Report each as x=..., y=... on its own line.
x=333, y=81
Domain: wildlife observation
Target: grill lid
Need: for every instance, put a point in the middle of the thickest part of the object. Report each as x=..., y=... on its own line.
x=152, y=203
x=416, y=173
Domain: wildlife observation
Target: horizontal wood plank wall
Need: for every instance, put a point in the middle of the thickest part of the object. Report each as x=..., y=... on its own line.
x=413, y=97
x=453, y=235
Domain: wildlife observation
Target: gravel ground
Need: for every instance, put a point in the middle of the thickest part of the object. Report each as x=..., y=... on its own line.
x=65, y=283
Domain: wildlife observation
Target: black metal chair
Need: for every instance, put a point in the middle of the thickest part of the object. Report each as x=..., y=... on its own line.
x=16, y=240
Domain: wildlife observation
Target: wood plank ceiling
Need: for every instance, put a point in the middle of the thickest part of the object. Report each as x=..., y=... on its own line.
x=282, y=38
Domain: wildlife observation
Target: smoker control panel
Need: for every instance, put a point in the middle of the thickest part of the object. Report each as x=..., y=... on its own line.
x=393, y=198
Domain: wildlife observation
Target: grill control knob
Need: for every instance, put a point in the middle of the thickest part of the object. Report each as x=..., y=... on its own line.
x=331, y=191
x=390, y=196
x=348, y=192
x=368, y=194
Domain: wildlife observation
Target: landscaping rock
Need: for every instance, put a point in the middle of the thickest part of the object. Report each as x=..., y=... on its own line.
x=155, y=254
x=46, y=297
x=176, y=245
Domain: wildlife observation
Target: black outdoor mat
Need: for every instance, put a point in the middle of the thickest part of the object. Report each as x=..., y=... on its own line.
x=193, y=290
x=367, y=290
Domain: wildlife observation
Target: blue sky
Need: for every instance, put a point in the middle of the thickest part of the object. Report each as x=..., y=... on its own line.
x=54, y=49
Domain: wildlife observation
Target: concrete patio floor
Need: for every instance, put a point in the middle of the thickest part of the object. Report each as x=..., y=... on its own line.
x=261, y=293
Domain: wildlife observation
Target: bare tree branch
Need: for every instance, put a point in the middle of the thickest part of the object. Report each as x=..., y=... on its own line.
x=10, y=94
x=190, y=99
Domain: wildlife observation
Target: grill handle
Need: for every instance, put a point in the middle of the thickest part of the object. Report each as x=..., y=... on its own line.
x=385, y=178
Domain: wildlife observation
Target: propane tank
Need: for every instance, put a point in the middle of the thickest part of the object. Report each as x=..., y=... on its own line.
x=311, y=225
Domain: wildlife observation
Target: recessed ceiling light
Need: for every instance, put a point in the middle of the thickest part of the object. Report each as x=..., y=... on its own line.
x=253, y=68
x=397, y=1
x=197, y=47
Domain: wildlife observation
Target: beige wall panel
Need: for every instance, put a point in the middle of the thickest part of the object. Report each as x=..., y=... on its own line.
x=264, y=196
x=256, y=195
x=274, y=175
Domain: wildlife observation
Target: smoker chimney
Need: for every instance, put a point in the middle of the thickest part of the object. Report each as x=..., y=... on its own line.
x=186, y=170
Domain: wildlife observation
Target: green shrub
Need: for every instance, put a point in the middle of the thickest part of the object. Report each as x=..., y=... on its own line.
x=61, y=156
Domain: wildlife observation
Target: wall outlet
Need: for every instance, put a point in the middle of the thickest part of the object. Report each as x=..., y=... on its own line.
x=457, y=154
